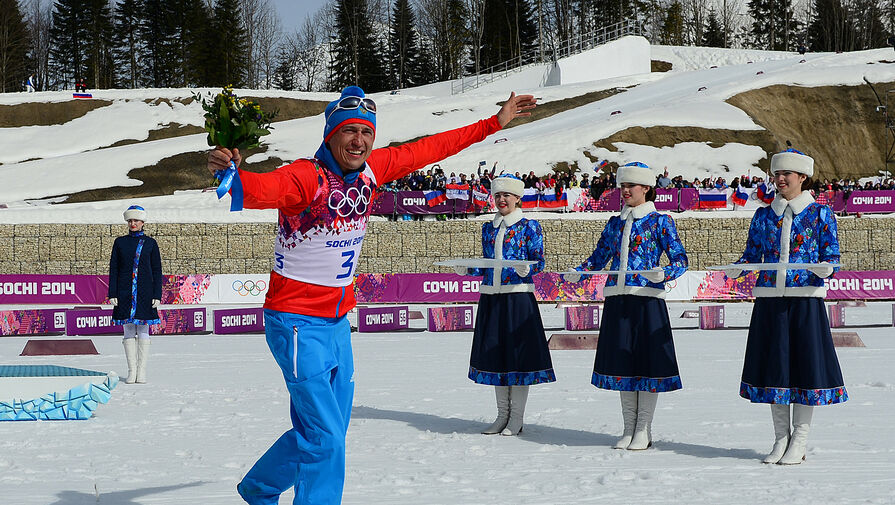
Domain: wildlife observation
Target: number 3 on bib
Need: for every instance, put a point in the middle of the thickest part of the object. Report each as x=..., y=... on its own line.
x=349, y=264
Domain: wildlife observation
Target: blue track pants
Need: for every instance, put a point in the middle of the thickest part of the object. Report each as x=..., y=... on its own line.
x=315, y=356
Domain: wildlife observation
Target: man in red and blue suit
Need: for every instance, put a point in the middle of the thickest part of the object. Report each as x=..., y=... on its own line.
x=324, y=203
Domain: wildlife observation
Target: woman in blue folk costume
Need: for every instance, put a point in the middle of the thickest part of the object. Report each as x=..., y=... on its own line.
x=790, y=358
x=135, y=290
x=509, y=347
x=635, y=351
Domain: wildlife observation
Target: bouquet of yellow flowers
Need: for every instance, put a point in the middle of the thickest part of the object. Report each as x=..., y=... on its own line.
x=234, y=123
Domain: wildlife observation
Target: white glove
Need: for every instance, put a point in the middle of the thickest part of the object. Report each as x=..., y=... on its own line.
x=573, y=278
x=522, y=271
x=113, y=301
x=733, y=273
x=654, y=276
x=822, y=270
x=461, y=270
x=155, y=303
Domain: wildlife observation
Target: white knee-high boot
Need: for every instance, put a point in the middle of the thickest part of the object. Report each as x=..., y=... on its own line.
x=142, y=356
x=130, y=354
x=801, y=423
x=780, y=416
x=503, y=411
x=629, y=417
x=518, y=398
x=646, y=407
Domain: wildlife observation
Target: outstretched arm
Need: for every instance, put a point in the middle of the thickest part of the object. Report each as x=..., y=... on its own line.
x=392, y=163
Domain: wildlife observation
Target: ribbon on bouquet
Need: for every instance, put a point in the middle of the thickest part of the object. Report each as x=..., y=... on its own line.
x=229, y=182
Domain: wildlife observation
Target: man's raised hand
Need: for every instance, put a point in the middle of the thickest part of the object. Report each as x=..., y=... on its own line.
x=516, y=106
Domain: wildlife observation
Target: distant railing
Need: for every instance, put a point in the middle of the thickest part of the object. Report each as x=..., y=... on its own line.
x=568, y=47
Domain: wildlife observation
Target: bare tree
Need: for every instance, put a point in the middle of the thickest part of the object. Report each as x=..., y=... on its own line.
x=731, y=19
x=262, y=27
x=476, y=10
x=308, y=48
x=40, y=20
x=445, y=32
x=695, y=12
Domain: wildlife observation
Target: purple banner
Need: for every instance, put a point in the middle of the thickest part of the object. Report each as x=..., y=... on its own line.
x=384, y=203
x=52, y=289
x=871, y=201
x=416, y=288
x=99, y=322
x=414, y=202
x=375, y=319
x=689, y=199
x=250, y=320
x=451, y=318
x=668, y=199
x=32, y=322
x=90, y=322
x=584, y=317
x=849, y=285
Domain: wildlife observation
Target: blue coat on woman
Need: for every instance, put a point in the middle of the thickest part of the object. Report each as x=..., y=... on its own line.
x=135, y=279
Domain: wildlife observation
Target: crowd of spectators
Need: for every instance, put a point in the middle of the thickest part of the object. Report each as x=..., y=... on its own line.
x=559, y=180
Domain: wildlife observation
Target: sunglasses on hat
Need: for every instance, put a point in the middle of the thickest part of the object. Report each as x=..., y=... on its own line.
x=353, y=102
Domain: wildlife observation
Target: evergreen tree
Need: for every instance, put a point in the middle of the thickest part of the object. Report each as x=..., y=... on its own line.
x=191, y=27
x=448, y=36
x=509, y=31
x=868, y=22
x=773, y=25
x=157, y=33
x=713, y=36
x=673, y=27
x=230, y=51
x=608, y=12
x=98, y=42
x=404, y=54
x=284, y=75
x=13, y=47
x=424, y=70
x=128, y=44
x=356, y=53
x=830, y=29
x=67, y=38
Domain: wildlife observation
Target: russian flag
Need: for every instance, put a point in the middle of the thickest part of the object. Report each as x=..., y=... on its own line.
x=479, y=199
x=739, y=197
x=530, y=198
x=764, y=194
x=457, y=191
x=712, y=199
x=551, y=201
x=433, y=198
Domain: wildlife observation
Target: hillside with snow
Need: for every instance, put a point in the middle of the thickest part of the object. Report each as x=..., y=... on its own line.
x=716, y=113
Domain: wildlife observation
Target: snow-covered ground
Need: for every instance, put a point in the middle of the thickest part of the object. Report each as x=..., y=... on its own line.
x=213, y=404
x=47, y=161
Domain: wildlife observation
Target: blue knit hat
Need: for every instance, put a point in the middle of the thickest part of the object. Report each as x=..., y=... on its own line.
x=334, y=120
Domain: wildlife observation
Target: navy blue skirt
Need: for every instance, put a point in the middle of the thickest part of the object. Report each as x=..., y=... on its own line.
x=509, y=347
x=790, y=356
x=635, y=351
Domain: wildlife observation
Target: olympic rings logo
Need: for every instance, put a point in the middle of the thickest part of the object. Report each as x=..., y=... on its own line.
x=249, y=287
x=353, y=201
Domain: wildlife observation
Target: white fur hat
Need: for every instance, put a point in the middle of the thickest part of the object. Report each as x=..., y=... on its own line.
x=635, y=173
x=135, y=212
x=508, y=184
x=791, y=160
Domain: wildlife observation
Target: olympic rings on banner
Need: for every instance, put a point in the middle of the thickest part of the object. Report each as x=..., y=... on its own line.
x=249, y=287
x=353, y=201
